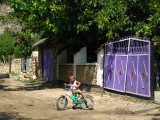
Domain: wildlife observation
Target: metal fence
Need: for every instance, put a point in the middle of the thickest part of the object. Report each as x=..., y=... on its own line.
x=127, y=66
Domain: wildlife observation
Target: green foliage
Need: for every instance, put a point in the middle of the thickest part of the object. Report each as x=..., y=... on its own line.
x=31, y=80
x=86, y=21
x=2, y=1
x=19, y=44
x=7, y=41
x=14, y=74
x=28, y=81
x=24, y=46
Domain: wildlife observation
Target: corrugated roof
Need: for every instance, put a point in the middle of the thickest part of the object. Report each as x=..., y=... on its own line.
x=40, y=42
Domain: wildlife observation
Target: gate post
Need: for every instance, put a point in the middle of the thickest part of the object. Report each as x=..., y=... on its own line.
x=151, y=70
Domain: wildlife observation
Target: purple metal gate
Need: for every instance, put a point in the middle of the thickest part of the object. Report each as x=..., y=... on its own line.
x=127, y=66
x=47, y=64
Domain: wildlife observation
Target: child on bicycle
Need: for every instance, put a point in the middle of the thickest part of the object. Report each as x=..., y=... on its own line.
x=74, y=85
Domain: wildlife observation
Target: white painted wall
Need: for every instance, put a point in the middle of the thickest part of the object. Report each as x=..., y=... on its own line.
x=61, y=58
x=80, y=58
x=100, y=57
x=34, y=54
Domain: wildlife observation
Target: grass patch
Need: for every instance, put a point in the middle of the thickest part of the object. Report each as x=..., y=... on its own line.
x=31, y=80
x=28, y=81
x=19, y=79
x=13, y=74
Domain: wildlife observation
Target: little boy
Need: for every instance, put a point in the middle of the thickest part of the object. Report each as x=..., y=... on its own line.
x=74, y=85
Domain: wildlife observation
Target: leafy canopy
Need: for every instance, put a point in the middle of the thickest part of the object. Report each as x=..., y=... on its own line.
x=7, y=41
x=87, y=21
x=18, y=44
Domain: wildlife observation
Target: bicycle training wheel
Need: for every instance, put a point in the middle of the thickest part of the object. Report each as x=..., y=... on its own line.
x=88, y=104
x=62, y=103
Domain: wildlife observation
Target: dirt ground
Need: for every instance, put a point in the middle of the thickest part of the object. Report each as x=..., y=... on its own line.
x=25, y=101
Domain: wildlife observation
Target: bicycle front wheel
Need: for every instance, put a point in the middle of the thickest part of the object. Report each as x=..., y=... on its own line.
x=62, y=103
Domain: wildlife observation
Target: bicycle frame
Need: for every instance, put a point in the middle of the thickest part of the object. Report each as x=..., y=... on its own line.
x=75, y=99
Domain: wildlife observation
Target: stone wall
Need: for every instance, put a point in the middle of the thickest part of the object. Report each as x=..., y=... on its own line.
x=87, y=74
x=26, y=75
x=32, y=71
x=64, y=71
x=16, y=66
x=4, y=68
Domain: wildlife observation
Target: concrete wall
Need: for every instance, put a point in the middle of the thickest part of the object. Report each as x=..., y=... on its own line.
x=16, y=66
x=100, y=58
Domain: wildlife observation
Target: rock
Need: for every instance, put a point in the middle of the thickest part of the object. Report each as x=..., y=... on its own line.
x=27, y=75
x=34, y=77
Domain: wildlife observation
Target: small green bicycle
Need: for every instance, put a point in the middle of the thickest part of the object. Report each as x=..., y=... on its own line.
x=62, y=101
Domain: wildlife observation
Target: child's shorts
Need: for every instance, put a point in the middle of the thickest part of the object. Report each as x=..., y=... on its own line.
x=74, y=92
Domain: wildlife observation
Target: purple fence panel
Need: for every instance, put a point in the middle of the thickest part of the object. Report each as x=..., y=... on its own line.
x=131, y=81
x=47, y=64
x=109, y=71
x=127, y=66
x=50, y=65
x=143, y=76
x=120, y=73
x=109, y=49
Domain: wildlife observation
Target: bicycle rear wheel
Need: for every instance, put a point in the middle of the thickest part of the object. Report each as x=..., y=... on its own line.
x=62, y=103
x=88, y=104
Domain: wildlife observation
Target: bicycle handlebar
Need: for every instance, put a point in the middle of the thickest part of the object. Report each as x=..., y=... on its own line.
x=70, y=86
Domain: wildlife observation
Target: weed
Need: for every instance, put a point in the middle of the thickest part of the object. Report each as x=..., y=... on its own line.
x=18, y=79
x=14, y=74
x=31, y=80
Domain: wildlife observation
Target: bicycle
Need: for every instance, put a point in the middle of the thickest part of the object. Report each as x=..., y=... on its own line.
x=77, y=99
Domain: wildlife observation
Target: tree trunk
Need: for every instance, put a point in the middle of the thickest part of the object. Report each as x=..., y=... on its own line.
x=10, y=61
x=4, y=61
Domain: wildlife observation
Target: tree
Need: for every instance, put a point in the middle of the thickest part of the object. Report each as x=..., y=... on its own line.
x=19, y=44
x=23, y=46
x=72, y=20
x=7, y=41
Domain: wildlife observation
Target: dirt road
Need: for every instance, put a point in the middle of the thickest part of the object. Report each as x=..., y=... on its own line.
x=25, y=101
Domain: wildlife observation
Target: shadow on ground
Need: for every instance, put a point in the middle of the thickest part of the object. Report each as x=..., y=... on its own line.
x=156, y=115
x=11, y=116
x=40, y=85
